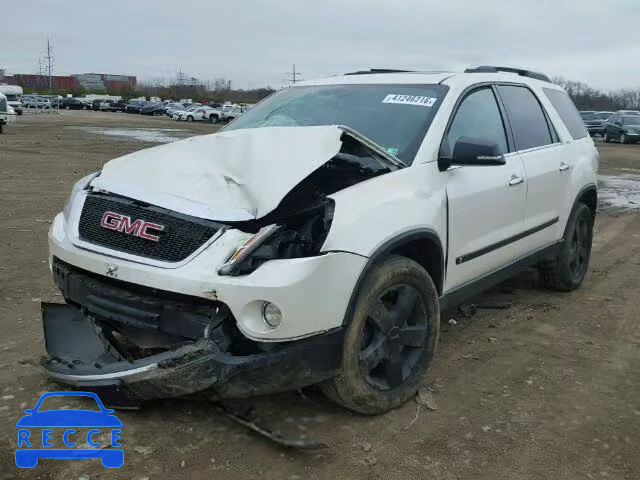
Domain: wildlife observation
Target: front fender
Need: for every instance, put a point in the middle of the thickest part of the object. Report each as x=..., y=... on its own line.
x=371, y=214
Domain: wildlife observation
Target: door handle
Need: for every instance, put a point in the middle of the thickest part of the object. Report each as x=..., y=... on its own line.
x=563, y=166
x=515, y=180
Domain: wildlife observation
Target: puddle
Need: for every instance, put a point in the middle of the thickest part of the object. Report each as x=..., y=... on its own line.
x=155, y=135
x=619, y=191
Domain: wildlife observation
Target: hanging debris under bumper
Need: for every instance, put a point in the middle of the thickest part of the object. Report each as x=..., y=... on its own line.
x=85, y=354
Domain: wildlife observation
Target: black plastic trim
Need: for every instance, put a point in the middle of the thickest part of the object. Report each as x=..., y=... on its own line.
x=460, y=294
x=503, y=243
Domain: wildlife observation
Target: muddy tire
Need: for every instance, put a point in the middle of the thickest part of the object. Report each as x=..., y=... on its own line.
x=567, y=271
x=391, y=338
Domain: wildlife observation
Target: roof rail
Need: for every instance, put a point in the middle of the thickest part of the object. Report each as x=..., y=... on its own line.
x=378, y=70
x=519, y=71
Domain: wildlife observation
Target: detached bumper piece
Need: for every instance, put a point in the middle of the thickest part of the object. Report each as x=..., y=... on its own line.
x=130, y=345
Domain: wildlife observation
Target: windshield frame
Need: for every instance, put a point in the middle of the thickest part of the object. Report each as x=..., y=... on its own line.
x=412, y=148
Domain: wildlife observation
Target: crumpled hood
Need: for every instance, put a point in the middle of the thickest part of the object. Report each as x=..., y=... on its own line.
x=227, y=176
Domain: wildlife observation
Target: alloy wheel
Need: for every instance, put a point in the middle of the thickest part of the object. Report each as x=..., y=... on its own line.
x=579, y=249
x=394, y=337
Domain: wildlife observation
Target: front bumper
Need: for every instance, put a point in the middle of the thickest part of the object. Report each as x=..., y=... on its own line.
x=312, y=293
x=87, y=349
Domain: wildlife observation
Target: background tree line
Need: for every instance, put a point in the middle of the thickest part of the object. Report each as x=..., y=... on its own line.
x=588, y=98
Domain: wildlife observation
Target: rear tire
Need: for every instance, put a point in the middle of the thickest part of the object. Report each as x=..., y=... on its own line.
x=567, y=271
x=391, y=338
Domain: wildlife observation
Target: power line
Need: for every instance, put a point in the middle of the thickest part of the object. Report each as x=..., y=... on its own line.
x=49, y=58
x=294, y=76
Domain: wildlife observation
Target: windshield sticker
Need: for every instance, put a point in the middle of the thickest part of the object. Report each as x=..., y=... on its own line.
x=392, y=151
x=410, y=100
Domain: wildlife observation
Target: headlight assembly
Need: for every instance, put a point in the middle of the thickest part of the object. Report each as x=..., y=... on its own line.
x=79, y=186
x=297, y=237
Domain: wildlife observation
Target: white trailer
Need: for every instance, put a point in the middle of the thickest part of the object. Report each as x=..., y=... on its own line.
x=13, y=93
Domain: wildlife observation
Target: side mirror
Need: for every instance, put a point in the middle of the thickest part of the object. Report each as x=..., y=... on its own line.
x=473, y=152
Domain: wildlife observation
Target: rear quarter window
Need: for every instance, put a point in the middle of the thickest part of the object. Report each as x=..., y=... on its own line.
x=567, y=112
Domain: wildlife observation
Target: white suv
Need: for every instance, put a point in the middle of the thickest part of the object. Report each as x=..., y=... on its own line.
x=317, y=238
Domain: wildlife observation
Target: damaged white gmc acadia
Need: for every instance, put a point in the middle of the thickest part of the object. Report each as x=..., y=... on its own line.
x=317, y=237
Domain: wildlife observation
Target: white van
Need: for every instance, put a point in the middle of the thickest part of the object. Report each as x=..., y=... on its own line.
x=14, y=95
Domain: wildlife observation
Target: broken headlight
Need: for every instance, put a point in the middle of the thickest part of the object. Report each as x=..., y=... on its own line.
x=297, y=237
x=79, y=186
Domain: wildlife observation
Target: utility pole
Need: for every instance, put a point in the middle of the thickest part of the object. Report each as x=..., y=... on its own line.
x=49, y=58
x=40, y=66
x=294, y=76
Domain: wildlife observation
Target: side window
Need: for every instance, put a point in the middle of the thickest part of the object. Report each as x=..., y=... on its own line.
x=478, y=116
x=567, y=112
x=528, y=121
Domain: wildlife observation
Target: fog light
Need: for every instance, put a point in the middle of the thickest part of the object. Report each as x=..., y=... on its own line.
x=271, y=314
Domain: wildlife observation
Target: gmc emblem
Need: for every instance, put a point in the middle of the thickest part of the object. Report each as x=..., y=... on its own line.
x=138, y=228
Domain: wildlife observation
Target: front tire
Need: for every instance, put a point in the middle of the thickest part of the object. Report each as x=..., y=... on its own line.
x=189, y=118
x=391, y=338
x=623, y=138
x=606, y=138
x=567, y=271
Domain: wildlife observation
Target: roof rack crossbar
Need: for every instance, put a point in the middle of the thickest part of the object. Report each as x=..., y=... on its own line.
x=518, y=71
x=378, y=70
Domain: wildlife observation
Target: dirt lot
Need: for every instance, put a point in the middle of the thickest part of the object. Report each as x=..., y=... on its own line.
x=546, y=389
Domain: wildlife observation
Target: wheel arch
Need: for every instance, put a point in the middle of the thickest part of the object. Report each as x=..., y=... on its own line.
x=589, y=196
x=420, y=245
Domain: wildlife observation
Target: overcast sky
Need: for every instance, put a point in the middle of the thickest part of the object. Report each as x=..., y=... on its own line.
x=255, y=42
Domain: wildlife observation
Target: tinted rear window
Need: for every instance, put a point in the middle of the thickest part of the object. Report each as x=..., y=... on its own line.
x=567, y=111
x=528, y=121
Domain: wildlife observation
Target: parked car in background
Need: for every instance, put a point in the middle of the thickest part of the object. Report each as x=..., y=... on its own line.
x=201, y=114
x=623, y=128
x=71, y=103
x=105, y=105
x=628, y=112
x=182, y=114
x=229, y=114
x=118, y=106
x=604, y=115
x=593, y=122
x=170, y=108
x=134, y=106
x=153, y=109
x=95, y=104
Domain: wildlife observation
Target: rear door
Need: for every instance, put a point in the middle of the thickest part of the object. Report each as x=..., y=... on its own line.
x=546, y=165
x=485, y=203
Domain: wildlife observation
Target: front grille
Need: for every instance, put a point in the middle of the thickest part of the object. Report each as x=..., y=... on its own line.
x=182, y=235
